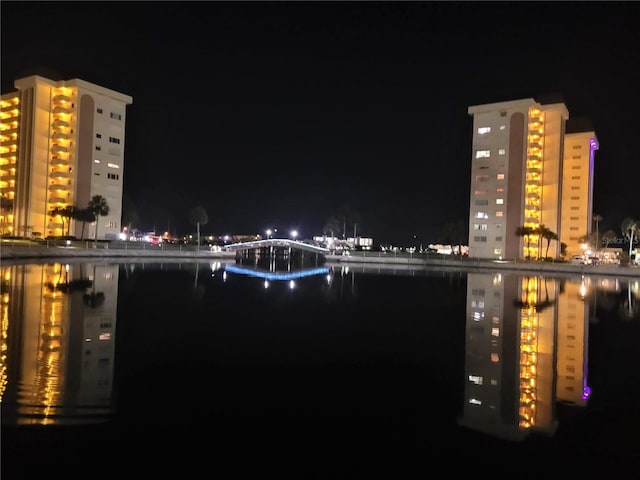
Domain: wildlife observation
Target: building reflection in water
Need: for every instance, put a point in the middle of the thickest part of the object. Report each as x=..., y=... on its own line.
x=58, y=342
x=526, y=349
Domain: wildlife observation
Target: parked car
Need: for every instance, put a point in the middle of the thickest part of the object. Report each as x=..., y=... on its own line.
x=579, y=260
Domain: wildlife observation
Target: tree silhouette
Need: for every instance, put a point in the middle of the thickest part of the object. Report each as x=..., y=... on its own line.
x=525, y=232
x=99, y=207
x=85, y=216
x=198, y=216
x=67, y=213
x=630, y=229
x=597, y=219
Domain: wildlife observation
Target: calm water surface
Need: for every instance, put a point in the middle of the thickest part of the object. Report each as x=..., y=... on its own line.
x=214, y=369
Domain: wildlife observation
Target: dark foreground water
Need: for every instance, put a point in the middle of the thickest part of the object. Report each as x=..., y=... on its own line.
x=208, y=370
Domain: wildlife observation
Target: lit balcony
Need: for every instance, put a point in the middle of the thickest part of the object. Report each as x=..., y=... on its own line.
x=59, y=148
x=59, y=161
x=54, y=225
x=56, y=200
x=62, y=110
x=61, y=98
x=533, y=195
x=56, y=187
x=537, y=145
x=58, y=135
x=59, y=123
x=59, y=175
x=10, y=130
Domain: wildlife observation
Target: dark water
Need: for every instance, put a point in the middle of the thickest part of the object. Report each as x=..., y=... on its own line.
x=188, y=370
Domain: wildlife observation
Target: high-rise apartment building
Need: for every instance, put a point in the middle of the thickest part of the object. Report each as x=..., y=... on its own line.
x=62, y=143
x=531, y=167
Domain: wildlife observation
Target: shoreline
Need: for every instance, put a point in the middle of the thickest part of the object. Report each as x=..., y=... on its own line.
x=29, y=253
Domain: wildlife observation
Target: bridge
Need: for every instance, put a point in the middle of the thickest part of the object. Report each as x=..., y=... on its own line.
x=278, y=250
x=276, y=243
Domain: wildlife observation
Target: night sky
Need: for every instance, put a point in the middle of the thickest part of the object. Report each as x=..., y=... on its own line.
x=283, y=114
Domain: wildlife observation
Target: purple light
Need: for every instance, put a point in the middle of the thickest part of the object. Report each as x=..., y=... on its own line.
x=593, y=143
x=586, y=392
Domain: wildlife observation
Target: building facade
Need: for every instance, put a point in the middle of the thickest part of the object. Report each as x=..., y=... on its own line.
x=530, y=169
x=62, y=143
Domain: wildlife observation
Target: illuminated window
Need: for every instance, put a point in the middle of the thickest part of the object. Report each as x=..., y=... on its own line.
x=105, y=336
x=475, y=401
x=500, y=176
x=499, y=190
x=495, y=332
x=495, y=320
x=113, y=165
x=484, y=130
x=495, y=357
x=499, y=214
x=483, y=154
x=96, y=160
x=502, y=151
x=482, y=178
x=477, y=316
x=503, y=127
x=481, y=192
x=499, y=201
x=481, y=215
x=480, y=226
x=475, y=379
x=477, y=303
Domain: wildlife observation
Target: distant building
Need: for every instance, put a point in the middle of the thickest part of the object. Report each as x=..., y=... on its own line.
x=62, y=143
x=531, y=166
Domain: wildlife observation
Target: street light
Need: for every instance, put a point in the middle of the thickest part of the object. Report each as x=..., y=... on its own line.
x=269, y=232
x=294, y=234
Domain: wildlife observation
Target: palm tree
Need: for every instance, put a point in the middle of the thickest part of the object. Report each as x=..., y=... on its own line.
x=548, y=235
x=607, y=237
x=67, y=213
x=198, y=216
x=99, y=207
x=630, y=229
x=525, y=232
x=333, y=226
x=597, y=219
x=85, y=216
